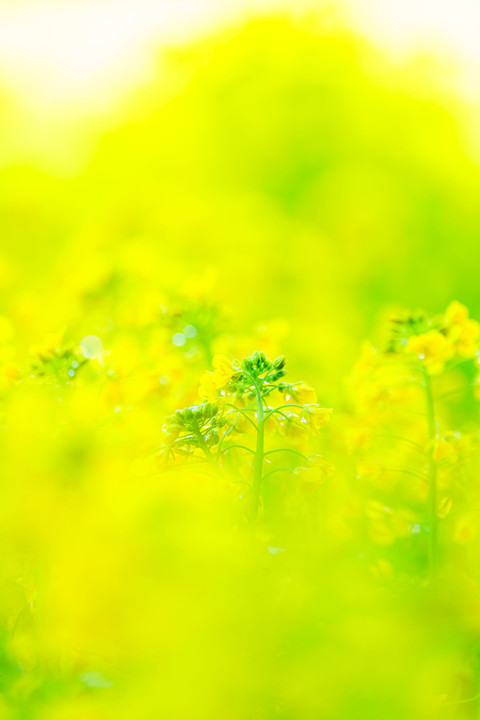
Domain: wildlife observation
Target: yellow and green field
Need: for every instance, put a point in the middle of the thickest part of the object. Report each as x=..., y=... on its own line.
x=240, y=381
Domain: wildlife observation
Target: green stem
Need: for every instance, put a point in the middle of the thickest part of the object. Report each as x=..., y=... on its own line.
x=280, y=469
x=204, y=446
x=259, y=455
x=288, y=405
x=241, y=447
x=241, y=411
x=289, y=450
x=432, y=476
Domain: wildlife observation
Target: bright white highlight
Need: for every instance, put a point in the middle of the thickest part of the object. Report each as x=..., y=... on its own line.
x=89, y=50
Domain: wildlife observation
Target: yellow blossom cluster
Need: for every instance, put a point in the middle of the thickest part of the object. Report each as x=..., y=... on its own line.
x=456, y=335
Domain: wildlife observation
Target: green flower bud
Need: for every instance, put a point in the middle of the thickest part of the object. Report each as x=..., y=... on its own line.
x=279, y=362
x=207, y=410
x=214, y=438
x=247, y=364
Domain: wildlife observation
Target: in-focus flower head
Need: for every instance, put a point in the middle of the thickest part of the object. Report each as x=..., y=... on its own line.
x=241, y=377
x=249, y=397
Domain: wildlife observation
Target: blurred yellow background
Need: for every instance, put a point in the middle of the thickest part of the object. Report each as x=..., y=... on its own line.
x=319, y=176
x=181, y=179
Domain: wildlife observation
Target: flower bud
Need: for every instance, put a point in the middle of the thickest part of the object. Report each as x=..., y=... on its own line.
x=247, y=364
x=214, y=438
x=207, y=410
x=178, y=417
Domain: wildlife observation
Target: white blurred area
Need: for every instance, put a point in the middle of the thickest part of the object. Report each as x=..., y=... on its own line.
x=63, y=62
x=89, y=49
x=85, y=51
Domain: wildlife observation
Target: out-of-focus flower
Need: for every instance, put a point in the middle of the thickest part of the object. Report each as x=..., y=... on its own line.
x=305, y=395
x=318, y=472
x=433, y=348
x=462, y=331
x=223, y=370
x=318, y=418
x=210, y=382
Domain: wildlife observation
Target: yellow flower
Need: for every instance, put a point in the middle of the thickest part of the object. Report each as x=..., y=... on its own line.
x=319, y=417
x=456, y=313
x=317, y=474
x=305, y=395
x=462, y=331
x=208, y=387
x=210, y=382
x=223, y=370
x=293, y=428
x=433, y=348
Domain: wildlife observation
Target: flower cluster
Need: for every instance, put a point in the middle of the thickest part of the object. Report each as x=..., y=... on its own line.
x=436, y=341
x=193, y=428
x=411, y=457
x=238, y=382
x=250, y=397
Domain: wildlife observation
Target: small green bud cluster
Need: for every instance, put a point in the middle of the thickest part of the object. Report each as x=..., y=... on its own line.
x=192, y=417
x=60, y=364
x=256, y=371
x=403, y=326
x=259, y=367
x=195, y=426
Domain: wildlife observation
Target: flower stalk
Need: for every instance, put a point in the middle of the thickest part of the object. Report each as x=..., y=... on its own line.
x=259, y=456
x=236, y=393
x=432, y=476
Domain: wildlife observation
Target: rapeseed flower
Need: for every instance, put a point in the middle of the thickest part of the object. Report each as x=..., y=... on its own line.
x=433, y=348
